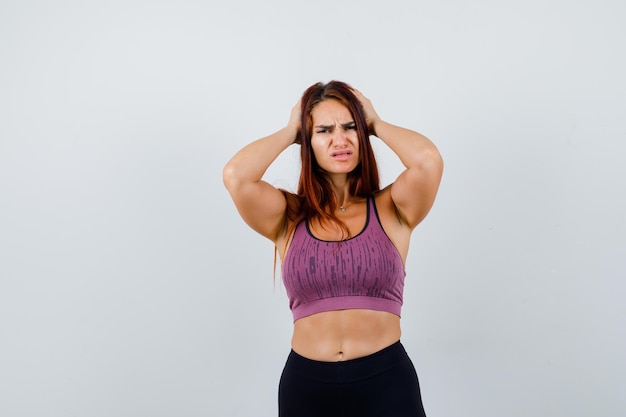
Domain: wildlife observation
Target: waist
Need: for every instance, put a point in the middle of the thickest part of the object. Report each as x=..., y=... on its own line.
x=342, y=335
x=350, y=370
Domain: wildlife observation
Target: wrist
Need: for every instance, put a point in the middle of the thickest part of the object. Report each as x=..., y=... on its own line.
x=291, y=134
x=374, y=126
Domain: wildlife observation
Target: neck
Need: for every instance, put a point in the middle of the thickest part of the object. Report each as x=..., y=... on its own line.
x=344, y=203
x=342, y=196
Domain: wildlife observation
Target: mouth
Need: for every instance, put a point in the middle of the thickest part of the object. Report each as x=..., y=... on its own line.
x=343, y=154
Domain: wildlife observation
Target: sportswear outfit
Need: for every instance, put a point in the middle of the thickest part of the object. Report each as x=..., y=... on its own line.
x=362, y=272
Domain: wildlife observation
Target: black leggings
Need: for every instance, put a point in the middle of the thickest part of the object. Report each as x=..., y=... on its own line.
x=383, y=384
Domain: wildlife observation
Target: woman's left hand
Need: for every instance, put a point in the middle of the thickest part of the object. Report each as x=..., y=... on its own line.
x=371, y=117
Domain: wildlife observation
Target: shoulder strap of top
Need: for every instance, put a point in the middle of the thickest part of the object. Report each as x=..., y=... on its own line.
x=374, y=211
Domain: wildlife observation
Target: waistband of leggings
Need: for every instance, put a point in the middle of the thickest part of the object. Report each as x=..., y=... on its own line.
x=350, y=370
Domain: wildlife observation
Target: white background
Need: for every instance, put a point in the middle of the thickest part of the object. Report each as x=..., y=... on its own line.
x=130, y=287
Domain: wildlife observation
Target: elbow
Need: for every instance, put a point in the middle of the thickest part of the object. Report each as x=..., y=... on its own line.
x=229, y=176
x=437, y=160
x=428, y=159
x=434, y=163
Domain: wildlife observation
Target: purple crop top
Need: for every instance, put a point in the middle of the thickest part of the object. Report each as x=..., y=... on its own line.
x=365, y=271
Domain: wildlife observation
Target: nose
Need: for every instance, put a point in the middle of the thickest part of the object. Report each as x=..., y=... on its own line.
x=340, y=139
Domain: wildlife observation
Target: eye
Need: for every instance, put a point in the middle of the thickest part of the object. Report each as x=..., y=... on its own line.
x=321, y=131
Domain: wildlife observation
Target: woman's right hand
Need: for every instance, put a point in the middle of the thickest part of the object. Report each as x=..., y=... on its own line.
x=295, y=121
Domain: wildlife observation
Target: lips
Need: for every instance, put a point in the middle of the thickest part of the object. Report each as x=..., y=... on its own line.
x=343, y=154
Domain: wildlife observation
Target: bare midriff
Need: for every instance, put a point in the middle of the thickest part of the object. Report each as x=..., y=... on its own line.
x=342, y=335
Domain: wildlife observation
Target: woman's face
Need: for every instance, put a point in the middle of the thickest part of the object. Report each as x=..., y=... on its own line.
x=334, y=140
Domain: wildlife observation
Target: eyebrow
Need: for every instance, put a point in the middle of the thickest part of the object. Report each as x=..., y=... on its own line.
x=344, y=125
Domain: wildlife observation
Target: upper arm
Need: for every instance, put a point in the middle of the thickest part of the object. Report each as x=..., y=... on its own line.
x=414, y=191
x=260, y=205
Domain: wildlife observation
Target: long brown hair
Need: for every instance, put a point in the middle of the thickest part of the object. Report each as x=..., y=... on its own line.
x=314, y=187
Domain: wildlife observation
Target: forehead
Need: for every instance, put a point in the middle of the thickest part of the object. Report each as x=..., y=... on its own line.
x=330, y=110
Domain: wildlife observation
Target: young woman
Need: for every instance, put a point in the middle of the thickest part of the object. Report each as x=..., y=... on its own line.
x=343, y=243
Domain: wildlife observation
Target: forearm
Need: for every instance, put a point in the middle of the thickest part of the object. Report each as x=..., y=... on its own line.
x=250, y=163
x=413, y=149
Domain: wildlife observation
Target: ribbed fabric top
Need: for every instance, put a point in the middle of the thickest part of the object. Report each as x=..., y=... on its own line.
x=365, y=271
